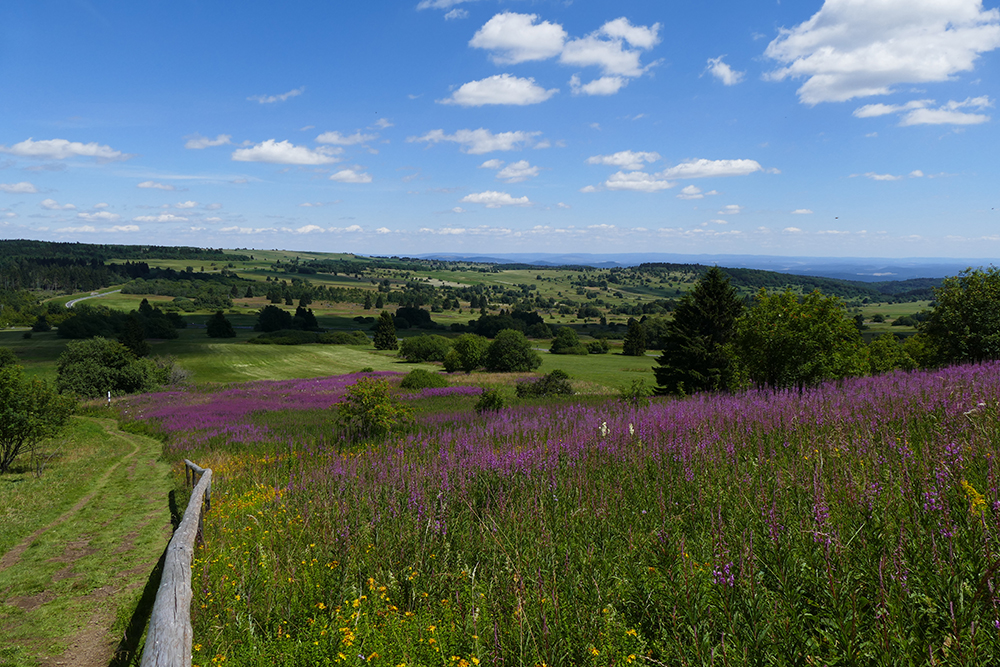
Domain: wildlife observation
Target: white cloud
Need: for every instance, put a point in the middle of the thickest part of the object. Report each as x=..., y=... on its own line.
x=916, y=173
x=948, y=114
x=875, y=110
x=639, y=36
x=22, y=188
x=156, y=186
x=100, y=216
x=458, y=209
x=383, y=123
x=452, y=15
x=606, y=85
x=124, y=228
x=307, y=229
x=186, y=204
x=494, y=199
x=691, y=192
x=284, y=152
x=514, y=38
x=636, y=181
x=440, y=4
x=164, y=217
x=60, y=149
x=86, y=229
x=792, y=230
x=801, y=211
x=383, y=230
x=341, y=140
x=515, y=172
x=630, y=160
x=271, y=99
x=477, y=142
x=881, y=177
x=851, y=48
x=731, y=209
x=248, y=230
x=53, y=205
x=101, y=205
x=706, y=168
x=198, y=142
x=351, y=176
x=609, y=55
x=723, y=72
x=562, y=205
x=212, y=219
x=499, y=89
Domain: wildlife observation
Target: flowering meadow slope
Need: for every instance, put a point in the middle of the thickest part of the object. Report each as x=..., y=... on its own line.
x=855, y=523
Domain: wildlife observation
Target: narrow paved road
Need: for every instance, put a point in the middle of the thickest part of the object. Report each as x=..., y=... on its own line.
x=70, y=304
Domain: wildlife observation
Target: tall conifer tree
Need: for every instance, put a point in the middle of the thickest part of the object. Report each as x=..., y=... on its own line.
x=694, y=358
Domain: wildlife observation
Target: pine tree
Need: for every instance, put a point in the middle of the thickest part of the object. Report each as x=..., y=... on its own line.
x=133, y=336
x=634, y=344
x=368, y=302
x=380, y=302
x=218, y=326
x=694, y=357
x=385, y=332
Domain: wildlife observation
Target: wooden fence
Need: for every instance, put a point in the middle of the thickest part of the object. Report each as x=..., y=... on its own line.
x=168, y=639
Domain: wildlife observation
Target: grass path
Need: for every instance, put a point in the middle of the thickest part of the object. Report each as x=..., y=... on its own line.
x=69, y=588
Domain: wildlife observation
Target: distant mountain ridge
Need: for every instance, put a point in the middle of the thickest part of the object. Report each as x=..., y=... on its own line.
x=864, y=269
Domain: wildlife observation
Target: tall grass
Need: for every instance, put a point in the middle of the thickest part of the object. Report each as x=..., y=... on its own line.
x=855, y=523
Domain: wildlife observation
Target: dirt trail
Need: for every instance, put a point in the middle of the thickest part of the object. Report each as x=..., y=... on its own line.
x=92, y=644
x=14, y=555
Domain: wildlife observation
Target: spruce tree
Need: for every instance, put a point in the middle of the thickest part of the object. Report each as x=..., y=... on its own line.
x=694, y=357
x=218, y=326
x=385, y=332
x=133, y=336
x=634, y=344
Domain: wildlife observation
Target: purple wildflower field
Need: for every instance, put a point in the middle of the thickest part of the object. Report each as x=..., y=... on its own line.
x=853, y=523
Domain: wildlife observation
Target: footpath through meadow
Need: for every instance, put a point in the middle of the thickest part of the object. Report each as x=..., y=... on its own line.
x=78, y=545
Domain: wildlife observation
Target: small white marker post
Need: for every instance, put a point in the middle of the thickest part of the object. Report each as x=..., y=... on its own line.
x=109, y=399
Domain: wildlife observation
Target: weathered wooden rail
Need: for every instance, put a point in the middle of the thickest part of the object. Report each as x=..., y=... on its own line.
x=169, y=637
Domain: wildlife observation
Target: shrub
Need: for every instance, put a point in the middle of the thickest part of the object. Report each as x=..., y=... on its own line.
x=599, y=346
x=421, y=379
x=467, y=353
x=510, y=352
x=491, y=400
x=369, y=411
x=426, y=347
x=567, y=342
x=91, y=368
x=344, y=338
x=7, y=357
x=553, y=384
x=637, y=393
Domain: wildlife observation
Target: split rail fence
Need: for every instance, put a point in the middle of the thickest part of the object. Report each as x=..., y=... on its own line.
x=169, y=637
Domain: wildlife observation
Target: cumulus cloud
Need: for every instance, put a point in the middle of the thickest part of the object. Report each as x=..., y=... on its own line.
x=875, y=110
x=351, y=176
x=515, y=172
x=455, y=14
x=630, y=160
x=801, y=211
x=949, y=113
x=514, y=38
x=198, y=142
x=494, y=199
x=477, y=142
x=383, y=123
x=880, y=177
x=53, y=205
x=606, y=85
x=271, y=99
x=341, y=140
x=792, y=230
x=440, y=4
x=731, y=209
x=723, y=72
x=499, y=89
x=636, y=181
x=706, y=168
x=163, y=217
x=100, y=216
x=383, y=230
x=851, y=49
x=60, y=149
x=606, y=48
x=155, y=185
x=247, y=230
x=101, y=205
x=284, y=152
x=85, y=229
x=693, y=192
x=22, y=188
x=308, y=229
x=186, y=204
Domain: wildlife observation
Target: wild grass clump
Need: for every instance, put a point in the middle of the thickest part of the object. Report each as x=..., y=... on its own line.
x=854, y=523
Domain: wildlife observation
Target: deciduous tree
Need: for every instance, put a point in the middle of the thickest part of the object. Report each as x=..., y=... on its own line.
x=965, y=322
x=30, y=411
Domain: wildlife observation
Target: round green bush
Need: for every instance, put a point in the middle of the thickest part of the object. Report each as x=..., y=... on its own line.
x=421, y=379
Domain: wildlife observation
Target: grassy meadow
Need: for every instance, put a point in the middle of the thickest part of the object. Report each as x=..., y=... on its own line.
x=855, y=523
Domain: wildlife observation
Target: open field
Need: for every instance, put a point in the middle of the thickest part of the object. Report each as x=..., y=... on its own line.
x=854, y=523
x=78, y=544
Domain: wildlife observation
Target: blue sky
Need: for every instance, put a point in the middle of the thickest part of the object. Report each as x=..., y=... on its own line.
x=836, y=128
